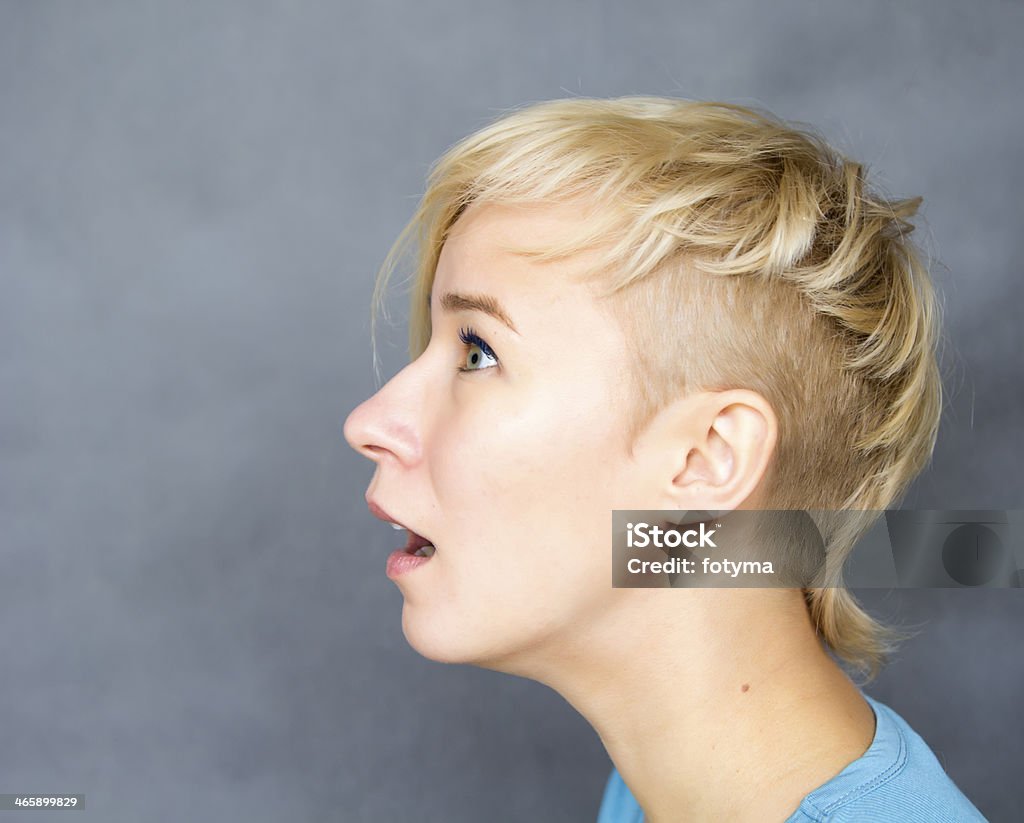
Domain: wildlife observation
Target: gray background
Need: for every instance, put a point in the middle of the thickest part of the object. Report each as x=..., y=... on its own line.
x=193, y=200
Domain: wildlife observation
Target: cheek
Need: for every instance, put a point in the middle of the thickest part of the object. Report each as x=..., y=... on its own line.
x=524, y=491
x=539, y=472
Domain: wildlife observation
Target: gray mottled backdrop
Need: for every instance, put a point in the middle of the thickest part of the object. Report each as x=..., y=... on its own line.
x=194, y=198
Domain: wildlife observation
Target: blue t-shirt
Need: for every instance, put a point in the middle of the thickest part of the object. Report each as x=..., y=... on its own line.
x=897, y=778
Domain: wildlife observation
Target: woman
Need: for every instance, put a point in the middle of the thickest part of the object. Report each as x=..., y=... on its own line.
x=656, y=304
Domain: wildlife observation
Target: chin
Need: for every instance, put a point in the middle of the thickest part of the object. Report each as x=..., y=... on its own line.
x=428, y=636
x=443, y=639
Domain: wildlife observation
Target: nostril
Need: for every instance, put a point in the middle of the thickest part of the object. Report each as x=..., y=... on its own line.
x=372, y=452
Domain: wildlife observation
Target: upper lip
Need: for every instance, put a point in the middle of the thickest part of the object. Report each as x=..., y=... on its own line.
x=415, y=538
x=377, y=511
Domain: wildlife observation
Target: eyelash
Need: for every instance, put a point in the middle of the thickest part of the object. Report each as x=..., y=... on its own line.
x=470, y=337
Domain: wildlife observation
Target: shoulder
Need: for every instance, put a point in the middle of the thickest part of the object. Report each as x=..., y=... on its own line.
x=897, y=778
x=618, y=804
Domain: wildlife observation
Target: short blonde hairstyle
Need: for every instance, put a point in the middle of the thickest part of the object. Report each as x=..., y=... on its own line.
x=738, y=251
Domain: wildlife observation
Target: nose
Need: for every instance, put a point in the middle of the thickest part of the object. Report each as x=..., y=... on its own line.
x=385, y=423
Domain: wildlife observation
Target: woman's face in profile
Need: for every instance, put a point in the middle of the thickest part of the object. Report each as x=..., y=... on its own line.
x=512, y=467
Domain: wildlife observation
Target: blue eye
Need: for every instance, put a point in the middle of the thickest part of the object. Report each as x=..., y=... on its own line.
x=472, y=339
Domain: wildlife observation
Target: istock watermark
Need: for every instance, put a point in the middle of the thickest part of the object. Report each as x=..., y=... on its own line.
x=801, y=548
x=642, y=535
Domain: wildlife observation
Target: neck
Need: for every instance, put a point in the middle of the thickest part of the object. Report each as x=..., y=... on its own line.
x=713, y=703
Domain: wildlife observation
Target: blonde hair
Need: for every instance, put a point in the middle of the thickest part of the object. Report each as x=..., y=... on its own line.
x=740, y=251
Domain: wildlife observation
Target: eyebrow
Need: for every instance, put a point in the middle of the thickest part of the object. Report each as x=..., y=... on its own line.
x=458, y=301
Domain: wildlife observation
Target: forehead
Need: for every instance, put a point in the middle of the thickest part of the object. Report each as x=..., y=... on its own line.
x=506, y=222
x=473, y=257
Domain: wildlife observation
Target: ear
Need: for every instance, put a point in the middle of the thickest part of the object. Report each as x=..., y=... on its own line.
x=711, y=450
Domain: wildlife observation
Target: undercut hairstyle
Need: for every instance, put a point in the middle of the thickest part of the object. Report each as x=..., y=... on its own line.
x=736, y=251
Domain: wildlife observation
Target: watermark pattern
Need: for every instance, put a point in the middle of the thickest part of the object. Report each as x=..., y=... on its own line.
x=789, y=548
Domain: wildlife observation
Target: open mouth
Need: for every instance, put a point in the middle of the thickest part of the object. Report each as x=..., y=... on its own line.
x=418, y=545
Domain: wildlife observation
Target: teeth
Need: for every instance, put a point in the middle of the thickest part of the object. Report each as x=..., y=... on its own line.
x=424, y=551
x=396, y=526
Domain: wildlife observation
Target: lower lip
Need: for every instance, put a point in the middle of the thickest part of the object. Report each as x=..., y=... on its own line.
x=400, y=562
